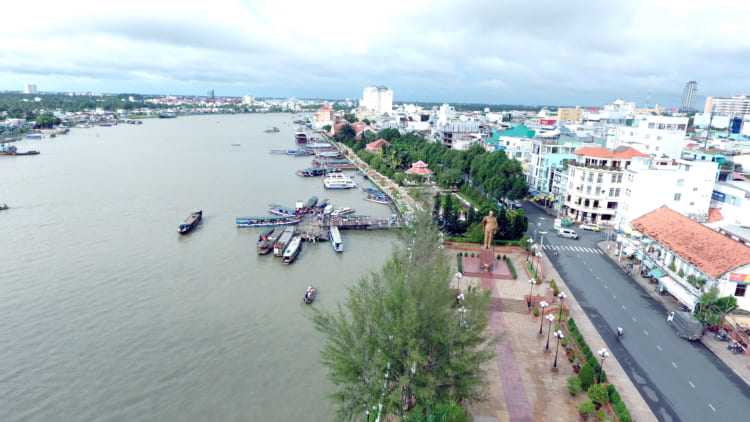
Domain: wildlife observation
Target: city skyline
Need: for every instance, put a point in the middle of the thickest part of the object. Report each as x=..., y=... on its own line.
x=576, y=53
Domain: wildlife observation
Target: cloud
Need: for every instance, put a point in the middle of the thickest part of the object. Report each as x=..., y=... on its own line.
x=531, y=52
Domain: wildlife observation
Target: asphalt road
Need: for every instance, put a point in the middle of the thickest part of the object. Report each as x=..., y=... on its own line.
x=680, y=380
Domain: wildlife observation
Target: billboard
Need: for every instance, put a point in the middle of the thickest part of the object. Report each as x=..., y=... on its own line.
x=739, y=278
x=717, y=196
x=547, y=122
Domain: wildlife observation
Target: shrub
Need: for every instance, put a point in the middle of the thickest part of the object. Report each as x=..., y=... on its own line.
x=512, y=268
x=600, y=414
x=672, y=266
x=624, y=416
x=571, y=323
x=574, y=385
x=598, y=394
x=594, y=364
x=459, y=254
x=586, y=351
x=472, y=254
x=681, y=273
x=564, y=341
x=586, y=375
x=602, y=376
x=587, y=408
x=553, y=286
x=536, y=311
x=614, y=396
x=619, y=407
x=498, y=256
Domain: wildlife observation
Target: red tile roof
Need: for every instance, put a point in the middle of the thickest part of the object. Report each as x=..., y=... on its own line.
x=325, y=108
x=714, y=215
x=710, y=251
x=617, y=153
x=377, y=145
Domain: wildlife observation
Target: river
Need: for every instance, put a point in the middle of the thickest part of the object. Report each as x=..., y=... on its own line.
x=106, y=313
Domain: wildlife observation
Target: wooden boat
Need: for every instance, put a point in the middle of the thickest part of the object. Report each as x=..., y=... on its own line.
x=378, y=198
x=3, y=207
x=279, y=210
x=272, y=130
x=309, y=295
x=292, y=250
x=311, y=172
x=300, y=137
x=266, y=240
x=190, y=222
x=267, y=221
x=280, y=245
x=335, y=235
x=307, y=206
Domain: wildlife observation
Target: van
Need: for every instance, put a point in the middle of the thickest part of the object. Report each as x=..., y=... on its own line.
x=570, y=234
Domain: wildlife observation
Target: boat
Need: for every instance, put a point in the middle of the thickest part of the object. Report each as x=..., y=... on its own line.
x=378, y=198
x=190, y=222
x=266, y=240
x=33, y=136
x=267, y=221
x=307, y=206
x=370, y=189
x=309, y=295
x=326, y=155
x=338, y=181
x=335, y=235
x=328, y=209
x=3, y=207
x=272, y=130
x=236, y=145
x=284, y=238
x=321, y=205
x=311, y=172
x=279, y=210
x=299, y=153
x=292, y=250
x=340, y=212
x=167, y=115
x=300, y=137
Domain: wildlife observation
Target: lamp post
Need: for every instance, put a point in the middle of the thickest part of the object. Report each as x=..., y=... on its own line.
x=559, y=335
x=458, y=281
x=550, y=318
x=562, y=297
x=602, y=354
x=543, y=304
x=462, y=312
x=537, y=263
x=528, y=302
x=529, y=241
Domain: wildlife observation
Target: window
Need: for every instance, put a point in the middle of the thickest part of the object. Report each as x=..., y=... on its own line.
x=598, y=190
x=599, y=177
x=677, y=196
x=617, y=192
x=614, y=178
x=588, y=189
x=658, y=138
x=740, y=290
x=692, y=203
x=680, y=182
x=611, y=191
x=695, y=189
x=591, y=177
x=619, y=178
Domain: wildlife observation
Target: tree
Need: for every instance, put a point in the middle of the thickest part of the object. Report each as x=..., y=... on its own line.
x=586, y=375
x=47, y=120
x=402, y=321
x=598, y=394
x=711, y=309
x=437, y=204
x=350, y=117
x=326, y=128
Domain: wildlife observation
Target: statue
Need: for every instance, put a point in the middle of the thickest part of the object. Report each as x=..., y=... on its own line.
x=489, y=225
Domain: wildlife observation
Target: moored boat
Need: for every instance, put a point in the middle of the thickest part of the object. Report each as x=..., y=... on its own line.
x=378, y=198
x=300, y=137
x=3, y=207
x=190, y=222
x=309, y=294
x=279, y=210
x=311, y=172
x=266, y=240
x=267, y=221
x=335, y=235
x=307, y=206
x=292, y=250
x=281, y=243
x=272, y=130
x=338, y=181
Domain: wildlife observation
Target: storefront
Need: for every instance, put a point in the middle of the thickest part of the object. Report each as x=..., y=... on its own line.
x=679, y=292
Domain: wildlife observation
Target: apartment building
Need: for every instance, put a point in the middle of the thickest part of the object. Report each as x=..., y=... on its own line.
x=570, y=114
x=595, y=183
x=378, y=99
x=738, y=105
x=652, y=135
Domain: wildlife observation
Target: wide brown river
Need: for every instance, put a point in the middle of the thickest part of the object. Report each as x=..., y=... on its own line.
x=107, y=314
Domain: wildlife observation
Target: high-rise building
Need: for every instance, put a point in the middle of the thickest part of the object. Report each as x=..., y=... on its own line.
x=688, y=95
x=29, y=89
x=210, y=93
x=738, y=105
x=378, y=99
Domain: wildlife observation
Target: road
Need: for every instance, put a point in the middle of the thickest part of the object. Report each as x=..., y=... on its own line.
x=680, y=380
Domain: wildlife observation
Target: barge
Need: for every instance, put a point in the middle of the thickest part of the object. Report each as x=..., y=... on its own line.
x=280, y=245
x=189, y=224
x=267, y=221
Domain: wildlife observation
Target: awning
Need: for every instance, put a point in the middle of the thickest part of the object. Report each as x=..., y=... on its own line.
x=647, y=263
x=639, y=256
x=680, y=293
x=658, y=273
x=627, y=250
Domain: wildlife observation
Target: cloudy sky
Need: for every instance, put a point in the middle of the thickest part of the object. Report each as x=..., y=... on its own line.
x=502, y=52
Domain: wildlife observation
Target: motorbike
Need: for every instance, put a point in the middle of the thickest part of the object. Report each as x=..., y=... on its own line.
x=735, y=348
x=620, y=333
x=721, y=335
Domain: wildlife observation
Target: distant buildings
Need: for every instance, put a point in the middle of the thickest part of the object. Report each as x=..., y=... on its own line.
x=378, y=99
x=29, y=89
x=738, y=105
x=654, y=135
x=570, y=114
x=688, y=95
x=210, y=94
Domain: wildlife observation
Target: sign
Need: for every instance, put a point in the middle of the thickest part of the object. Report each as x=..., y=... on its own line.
x=548, y=122
x=739, y=278
x=717, y=196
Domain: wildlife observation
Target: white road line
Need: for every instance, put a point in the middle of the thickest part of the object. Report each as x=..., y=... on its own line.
x=614, y=297
x=712, y=408
x=635, y=320
x=691, y=384
x=659, y=347
x=623, y=307
x=645, y=332
x=674, y=364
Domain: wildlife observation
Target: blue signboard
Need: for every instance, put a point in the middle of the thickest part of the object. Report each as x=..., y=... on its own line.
x=717, y=196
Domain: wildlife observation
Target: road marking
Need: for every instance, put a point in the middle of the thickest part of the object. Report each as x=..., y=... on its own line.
x=605, y=286
x=691, y=384
x=614, y=297
x=712, y=408
x=659, y=347
x=635, y=320
x=645, y=332
x=623, y=307
x=674, y=364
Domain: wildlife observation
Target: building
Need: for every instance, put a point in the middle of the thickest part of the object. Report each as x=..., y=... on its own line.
x=29, y=89
x=653, y=135
x=595, y=183
x=732, y=199
x=325, y=115
x=377, y=146
x=688, y=95
x=570, y=114
x=684, y=186
x=738, y=105
x=694, y=257
x=379, y=99
x=210, y=94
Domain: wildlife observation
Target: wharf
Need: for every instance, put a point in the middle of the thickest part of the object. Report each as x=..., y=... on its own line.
x=314, y=227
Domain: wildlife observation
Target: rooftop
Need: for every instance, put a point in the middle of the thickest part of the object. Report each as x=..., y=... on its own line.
x=710, y=251
x=617, y=153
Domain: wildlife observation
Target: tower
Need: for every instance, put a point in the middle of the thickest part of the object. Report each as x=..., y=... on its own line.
x=688, y=95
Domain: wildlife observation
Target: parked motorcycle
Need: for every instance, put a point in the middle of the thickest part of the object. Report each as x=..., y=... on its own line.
x=722, y=335
x=735, y=348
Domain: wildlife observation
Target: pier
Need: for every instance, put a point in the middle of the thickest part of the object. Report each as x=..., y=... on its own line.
x=314, y=227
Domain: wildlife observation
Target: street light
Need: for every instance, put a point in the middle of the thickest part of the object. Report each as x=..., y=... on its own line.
x=550, y=318
x=462, y=312
x=543, y=305
x=603, y=354
x=562, y=297
x=559, y=335
x=458, y=280
x=537, y=264
x=529, y=241
x=528, y=302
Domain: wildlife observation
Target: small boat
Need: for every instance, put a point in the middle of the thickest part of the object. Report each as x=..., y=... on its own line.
x=311, y=172
x=235, y=145
x=190, y=222
x=309, y=295
x=33, y=136
x=3, y=207
x=266, y=240
x=338, y=181
x=300, y=137
x=299, y=153
x=340, y=212
x=378, y=198
x=321, y=205
x=272, y=130
x=307, y=206
x=370, y=189
x=292, y=250
x=335, y=235
x=281, y=243
x=267, y=221
x=279, y=210
x=328, y=209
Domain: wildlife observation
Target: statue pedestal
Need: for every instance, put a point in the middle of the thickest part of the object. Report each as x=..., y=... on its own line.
x=487, y=259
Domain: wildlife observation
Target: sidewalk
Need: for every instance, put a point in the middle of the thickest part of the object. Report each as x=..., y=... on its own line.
x=740, y=364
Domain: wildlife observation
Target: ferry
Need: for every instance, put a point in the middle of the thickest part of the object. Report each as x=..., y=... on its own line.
x=190, y=222
x=280, y=245
x=279, y=210
x=378, y=198
x=338, y=181
x=340, y=212
x=267, y=221
x=300, y=137
x=311, y=172
x=292, y=250
x=333, y=233
x=266, y=240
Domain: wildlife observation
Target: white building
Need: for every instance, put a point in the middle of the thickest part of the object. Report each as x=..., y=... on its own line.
x=29, y=89
x=652, y=135
x=684, y=186
x=732, y=199
x=379, y=99
x=688, y=95
x=738, y=105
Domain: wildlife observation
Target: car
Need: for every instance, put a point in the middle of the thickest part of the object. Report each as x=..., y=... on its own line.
x=592, y=227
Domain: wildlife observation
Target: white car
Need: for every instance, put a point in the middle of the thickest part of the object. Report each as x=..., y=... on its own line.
x=592, y=227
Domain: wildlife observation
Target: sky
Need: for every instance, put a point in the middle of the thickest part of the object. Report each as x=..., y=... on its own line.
x=529, y=52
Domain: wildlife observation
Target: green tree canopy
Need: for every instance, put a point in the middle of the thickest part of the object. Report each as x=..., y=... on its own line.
x=403, y=322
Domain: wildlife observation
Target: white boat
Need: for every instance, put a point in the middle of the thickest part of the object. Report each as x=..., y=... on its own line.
x=335, y=235
x=338, y=181
x=292, y=250
x=340, y=212
x=328, y=209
